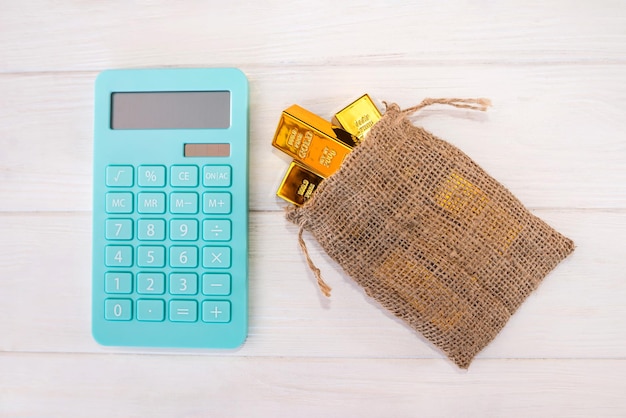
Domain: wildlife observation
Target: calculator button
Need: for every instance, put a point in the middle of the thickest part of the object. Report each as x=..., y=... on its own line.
x=216, y=257
x=184, y=256
x=183, y=229
x=118, y=309
x=118, y=256
x=215, y=311
x=184, y=176
x=151, y=203
x=150, y=310
x=216, y=230
x=119, y=202
x=119, y=229
x=184, y=203
x=150, y=256
x=118, y=282
x=216, y=203
x=151, y=176
x=151, y=229
x=151, y=283
x=216, y=175
x=183, y=311
x=216, y=284
x=183, y=283
x=119, y=176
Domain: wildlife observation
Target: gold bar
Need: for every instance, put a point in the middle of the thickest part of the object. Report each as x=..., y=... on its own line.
x=298, y=184
x=358, y=117
x=310, y=140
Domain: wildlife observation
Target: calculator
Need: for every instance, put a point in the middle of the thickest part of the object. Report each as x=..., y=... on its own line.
x=170, y=208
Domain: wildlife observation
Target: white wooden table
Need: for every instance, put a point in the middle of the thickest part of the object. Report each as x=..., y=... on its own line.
x=556, y=72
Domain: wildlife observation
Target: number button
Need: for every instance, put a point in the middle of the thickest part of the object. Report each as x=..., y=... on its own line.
x=216, y=176
x=151, y=176
x=121, y=229
x=150, y=310
x=217, y=203
x=119, y=202
x=184, y=176
x=150, y=256
x=151, y=203
x=117, y=309
x=216, y=230
x=119, y=176
x=118, y=282
x=184, y=203
x=183, y=310
x=118, y=255
x=216, y=257
x=183, y=230
x=151, y=283
x=151, y=229
x=183, y=256
x=215, y=311
x=183, y=283
x=216, y=284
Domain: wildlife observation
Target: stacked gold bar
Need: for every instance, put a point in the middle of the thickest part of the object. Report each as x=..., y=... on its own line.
x=317, y=146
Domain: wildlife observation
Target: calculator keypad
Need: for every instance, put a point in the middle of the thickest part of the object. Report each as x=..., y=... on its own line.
x=168, y=256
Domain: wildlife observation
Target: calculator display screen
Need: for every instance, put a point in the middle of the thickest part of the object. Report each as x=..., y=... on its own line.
x=170, y=110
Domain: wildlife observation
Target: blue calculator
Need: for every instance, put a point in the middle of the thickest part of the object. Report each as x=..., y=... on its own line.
x=170, y=208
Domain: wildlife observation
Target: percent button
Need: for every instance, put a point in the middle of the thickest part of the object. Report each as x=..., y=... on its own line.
x=151, y=176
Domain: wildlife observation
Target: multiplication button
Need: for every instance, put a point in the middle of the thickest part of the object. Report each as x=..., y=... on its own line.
x=216, y=257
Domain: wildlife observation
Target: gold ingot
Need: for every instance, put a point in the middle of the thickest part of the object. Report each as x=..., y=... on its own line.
x=298, y=184
x=358, y=117
x=456, y=194
x=419, y=288
x=312, y=141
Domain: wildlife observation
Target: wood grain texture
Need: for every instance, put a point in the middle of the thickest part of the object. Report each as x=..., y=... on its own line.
x=578, y=312
x=553, y=136
x=556, y=73
x=156, y=33
x=136, y=386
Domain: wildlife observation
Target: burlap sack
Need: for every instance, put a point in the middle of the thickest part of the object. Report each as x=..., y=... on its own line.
x=430, y=235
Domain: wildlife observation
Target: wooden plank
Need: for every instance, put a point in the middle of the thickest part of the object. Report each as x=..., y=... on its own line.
x=553, y=136
x=578, y=312
x=58, y=36
x=134, y=386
